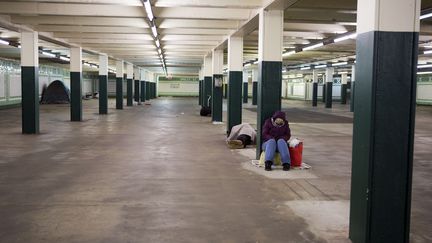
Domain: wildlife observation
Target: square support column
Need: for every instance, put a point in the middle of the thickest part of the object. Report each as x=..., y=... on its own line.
x=270, y=46
x=314, y=88
x=119, y=85
x=129, y=85
x=148, y=90
x=208, y=77
x=245, y=86
x=76, y=83
x=217, y=85
x=352, y=89
x=143, y=85
x=30, y=82
x=103, y=84
x=383, y=135
x=235, y=77
x=344, y=87
x=255, y=86
x=136, y=84
x=329, y=87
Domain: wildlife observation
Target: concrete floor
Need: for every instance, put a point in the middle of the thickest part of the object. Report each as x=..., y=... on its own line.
x=162, y=173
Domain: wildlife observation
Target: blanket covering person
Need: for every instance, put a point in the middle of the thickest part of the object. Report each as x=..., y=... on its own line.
x=241, y=135
x=275, y=134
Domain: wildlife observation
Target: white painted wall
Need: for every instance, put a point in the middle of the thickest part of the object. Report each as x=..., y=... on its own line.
x=178, y=88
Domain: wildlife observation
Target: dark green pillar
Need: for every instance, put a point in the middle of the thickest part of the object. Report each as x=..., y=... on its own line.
x=119, y=93
x=324, y=91
x=200, y=92
x=217, y=98
x=314, y=94
x=147, y=90
x=352, y=90
x=137, y=91
x=225, y=91
x=329, y=95
x=245, y=93
x=383, y=135
x=269, y=94
x=254, y=93
x=30, y=99
x=76, y=96
x=103, y=94
x=129, y=94
x=143, y=91
x=234, y=112
x=344, y=88
x=207, y=91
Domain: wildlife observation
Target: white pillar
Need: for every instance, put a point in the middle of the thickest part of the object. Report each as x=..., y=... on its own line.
x=217, y=62
x=103, y=65
x=329, y=75
x=270, y=39
x=344, y=78
x=208, y=66
x=29, y=49
x=119, y=69
x=235, y=53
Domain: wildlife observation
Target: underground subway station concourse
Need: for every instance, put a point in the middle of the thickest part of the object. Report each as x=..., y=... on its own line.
x=125, y=120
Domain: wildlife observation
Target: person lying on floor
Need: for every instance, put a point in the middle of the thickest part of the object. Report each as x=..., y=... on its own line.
x=240, y=136
x=275, y=134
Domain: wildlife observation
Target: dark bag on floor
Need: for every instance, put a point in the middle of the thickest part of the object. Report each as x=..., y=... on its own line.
x=205, y=111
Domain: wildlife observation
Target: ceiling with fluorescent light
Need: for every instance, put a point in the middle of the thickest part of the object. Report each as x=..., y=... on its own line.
x=187, y=30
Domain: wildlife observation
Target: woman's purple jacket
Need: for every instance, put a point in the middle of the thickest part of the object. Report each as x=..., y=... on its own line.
x=270, y=131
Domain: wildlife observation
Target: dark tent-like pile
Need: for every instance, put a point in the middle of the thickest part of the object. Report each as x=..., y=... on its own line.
x=56, y=93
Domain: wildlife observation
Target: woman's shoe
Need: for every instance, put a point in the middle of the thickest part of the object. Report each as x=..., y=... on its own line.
x=268, y=165
x=286, y=167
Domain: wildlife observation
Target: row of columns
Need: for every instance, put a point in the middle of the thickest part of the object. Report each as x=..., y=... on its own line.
x=327, y=92
x=383, y=99
x=30, y=84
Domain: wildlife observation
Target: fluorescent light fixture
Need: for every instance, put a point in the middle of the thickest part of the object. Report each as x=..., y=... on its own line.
x=427, y=52
x=424, y=72
x=19, y=46
x=321, y=66
x=346, y=37
x=425, y=16
x=67, y=59
x=256, y=62
x=348, y=23
x=424, y=66
x=87, y=64
x=428, y=46
x=284, y=70
x=247, y=64
x=159, y=51
x=157, y=43
x=3, y=42
x=305, y=68
x=48, y=54
x=339, y=64
x=343, y=72
x=148, y=9
x=289, y=53
x=154, y=31
x=313, y=46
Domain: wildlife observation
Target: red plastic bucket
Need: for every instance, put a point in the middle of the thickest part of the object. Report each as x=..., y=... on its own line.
x=296, y=154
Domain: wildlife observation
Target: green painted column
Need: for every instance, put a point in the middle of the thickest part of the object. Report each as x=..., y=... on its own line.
x=270, y=47
x=314, y=88
x=129, y=85
x=76, y=84
x=148, y=90
x=30, y=82
x=324, y=90
x=235, y=82
x=234, y=103
x=119, y=85
x=329, y=88
x=352, y=89
x=200, y=93
x=217, y=98
x=103, y=84
x=245, y=92
x=137, y=91
x=225, y=91
x=254, y=93
x=217, y=85
x=143, y=91
x=207, y=91
x=344, y=87
x=384, y=120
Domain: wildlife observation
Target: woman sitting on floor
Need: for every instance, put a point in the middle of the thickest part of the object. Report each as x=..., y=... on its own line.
x=275, y=134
